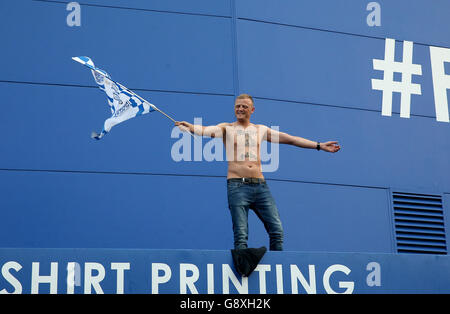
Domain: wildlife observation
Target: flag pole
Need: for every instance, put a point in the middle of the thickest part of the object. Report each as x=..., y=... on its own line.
x=157, y=109
x=160, y=111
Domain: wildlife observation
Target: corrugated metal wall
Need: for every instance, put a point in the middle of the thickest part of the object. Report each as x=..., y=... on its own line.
x=309, y=66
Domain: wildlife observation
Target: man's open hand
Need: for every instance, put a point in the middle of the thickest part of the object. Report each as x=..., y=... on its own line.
x=331, y=147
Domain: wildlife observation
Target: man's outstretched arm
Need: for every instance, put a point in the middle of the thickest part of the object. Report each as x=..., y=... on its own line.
x=284, y=138
x=210, y=131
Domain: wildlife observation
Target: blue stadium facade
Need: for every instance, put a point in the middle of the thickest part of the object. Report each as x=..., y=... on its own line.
x=374, y=76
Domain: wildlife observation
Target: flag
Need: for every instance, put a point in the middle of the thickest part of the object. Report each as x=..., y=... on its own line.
x=124, y=104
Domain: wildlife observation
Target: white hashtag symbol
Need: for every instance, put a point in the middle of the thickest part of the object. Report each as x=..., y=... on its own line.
x=388, y=85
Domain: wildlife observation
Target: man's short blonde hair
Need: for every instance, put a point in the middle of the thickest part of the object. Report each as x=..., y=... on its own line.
x=245, y=96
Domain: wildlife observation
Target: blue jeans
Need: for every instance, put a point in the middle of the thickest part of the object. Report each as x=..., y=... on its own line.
x=244, y=196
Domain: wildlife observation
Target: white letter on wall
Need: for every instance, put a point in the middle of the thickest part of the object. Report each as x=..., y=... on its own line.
x=441, y=81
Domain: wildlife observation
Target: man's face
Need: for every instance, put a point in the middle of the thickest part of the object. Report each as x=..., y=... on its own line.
x=243, y=108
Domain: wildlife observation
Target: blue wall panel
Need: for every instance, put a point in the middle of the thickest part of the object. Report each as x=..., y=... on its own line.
x=48, y=127
x=152, y=211
x=376, y=150
x=151, y=50
x=321, y=217
x=107, y=210
x=304, y=65
x=417, y=21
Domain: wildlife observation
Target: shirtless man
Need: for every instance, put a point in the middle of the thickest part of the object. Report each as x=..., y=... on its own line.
x=246, y=186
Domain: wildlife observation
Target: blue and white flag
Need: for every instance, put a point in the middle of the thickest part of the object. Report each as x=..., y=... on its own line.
x=124, y=104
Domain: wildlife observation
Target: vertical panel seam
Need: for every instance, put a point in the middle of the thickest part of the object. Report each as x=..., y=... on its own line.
x=234, y=47
x=445, y=213
x=391, y=219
